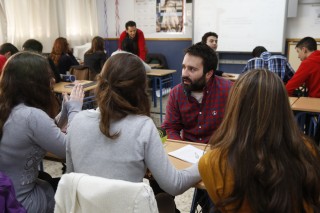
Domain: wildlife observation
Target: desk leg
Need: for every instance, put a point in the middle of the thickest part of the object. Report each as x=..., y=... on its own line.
x=160, y=83
x=154, y=88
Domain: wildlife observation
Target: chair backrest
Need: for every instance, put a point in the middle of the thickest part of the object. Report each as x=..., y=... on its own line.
x=157, y=58
x=84, y=193
x=83, y=73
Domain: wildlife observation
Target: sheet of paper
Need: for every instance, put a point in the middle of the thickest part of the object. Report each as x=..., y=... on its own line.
x=188, y=153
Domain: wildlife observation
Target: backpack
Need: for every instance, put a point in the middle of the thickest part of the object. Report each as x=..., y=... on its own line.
x=8, y=201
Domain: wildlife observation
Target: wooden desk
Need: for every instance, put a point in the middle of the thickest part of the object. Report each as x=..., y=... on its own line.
x=154, y=65
x=307, y=104
x=60, y=87
x=161, y=78
x=172, y=145
x=160, y=72
x=234, y=77
x=292, y=100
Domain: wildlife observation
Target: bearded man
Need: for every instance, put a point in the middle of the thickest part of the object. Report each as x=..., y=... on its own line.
x=196, y=106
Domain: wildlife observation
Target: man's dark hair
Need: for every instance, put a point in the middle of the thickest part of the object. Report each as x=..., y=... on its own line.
x=307, y=42
x=256, y=52
x=32, y=45
x=206, y=35
x=208, y=55
x=8, y=47
x=130, y=24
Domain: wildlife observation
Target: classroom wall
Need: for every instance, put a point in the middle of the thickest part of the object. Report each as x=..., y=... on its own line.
x=172, y=49
x=306, y=23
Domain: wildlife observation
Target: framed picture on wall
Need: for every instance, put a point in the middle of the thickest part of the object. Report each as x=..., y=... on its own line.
x=170, y=15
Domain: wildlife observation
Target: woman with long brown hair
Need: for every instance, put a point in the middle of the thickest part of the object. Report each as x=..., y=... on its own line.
x=259, y=159
x=27, y=126
x=119, y=140
x=62, y=56
x=95, y=57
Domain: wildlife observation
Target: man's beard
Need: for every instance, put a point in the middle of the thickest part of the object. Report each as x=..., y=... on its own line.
x=194, y=86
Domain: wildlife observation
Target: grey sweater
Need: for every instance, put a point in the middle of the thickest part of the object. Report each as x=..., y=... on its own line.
x=127, y=157
x=27, y=135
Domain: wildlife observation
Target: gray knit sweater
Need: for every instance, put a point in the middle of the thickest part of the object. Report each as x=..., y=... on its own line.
x=137, y=148
x=27, y=135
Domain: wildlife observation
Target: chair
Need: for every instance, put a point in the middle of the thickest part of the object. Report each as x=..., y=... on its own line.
x=83, y=73
x=157, y=58
x=78, y=193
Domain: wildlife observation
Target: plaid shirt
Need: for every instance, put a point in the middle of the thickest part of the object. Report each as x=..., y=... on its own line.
x=197, y=121
x=275, y=63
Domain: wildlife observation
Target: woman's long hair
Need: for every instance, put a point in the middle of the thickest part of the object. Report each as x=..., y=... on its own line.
x=60, y=46
x=121, y=90
x=97, y=44
x=26, y=78
x=273, y=167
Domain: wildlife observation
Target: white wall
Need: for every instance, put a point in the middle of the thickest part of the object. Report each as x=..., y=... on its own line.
x=126, y=13
x=307, y=22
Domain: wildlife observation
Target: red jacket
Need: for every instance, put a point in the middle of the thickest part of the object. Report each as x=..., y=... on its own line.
x=3, y=60
x=308, y=73
x=141, y=43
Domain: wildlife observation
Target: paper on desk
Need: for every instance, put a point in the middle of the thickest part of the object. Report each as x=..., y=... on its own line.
x=188, y=153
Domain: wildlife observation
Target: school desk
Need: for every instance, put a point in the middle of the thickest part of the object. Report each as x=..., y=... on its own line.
x=172, y=145
x=292, y=100
x=62, y=87
x=307, y=104
x=234, y=76
x=161, y=79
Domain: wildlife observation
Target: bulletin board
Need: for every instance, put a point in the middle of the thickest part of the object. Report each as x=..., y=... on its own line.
x=292, y=53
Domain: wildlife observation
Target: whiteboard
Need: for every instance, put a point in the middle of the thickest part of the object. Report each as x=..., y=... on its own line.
x=242, y=24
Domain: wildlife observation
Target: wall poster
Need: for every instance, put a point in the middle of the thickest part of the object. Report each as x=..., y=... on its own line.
x=170, y=15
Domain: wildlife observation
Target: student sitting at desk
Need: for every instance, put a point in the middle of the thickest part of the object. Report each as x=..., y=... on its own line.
x=275, y=63
x=62, y=55
x=211, y=39
x=196, y=106
x=35, y=45
x=6, y=50
x=119, y=139
x=309, y=69
x=95, y=57
x=27, y=128
x=259, y=159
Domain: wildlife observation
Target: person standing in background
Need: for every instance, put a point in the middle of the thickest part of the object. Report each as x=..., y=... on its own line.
x=132, y=40
x=309, y=69
x=95, y=57
x=62, y=55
